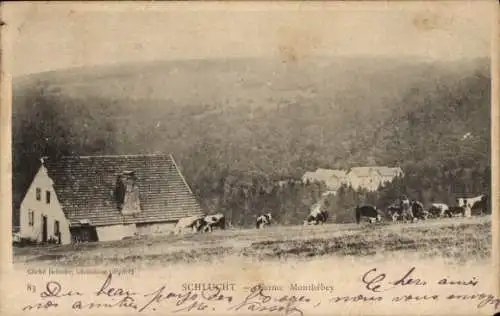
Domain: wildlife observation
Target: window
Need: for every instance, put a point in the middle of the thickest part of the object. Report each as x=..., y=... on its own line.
x=47, y=197
x=31, y=217
x=38, y=194
x=56, y=228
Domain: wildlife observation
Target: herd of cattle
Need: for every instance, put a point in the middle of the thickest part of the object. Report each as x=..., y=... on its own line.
x=406, y=210
x=403, y=209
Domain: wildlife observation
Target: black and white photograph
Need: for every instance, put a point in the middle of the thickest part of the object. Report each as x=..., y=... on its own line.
x=339, y=152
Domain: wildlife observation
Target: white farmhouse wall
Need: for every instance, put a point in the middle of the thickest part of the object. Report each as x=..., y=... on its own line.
x=370, y=183
x=115, y=232
x=155, y=228
x=386, y=179
x=354, y=181
x=52, y=210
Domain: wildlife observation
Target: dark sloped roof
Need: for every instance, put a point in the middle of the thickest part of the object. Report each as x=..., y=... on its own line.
x=85, y=188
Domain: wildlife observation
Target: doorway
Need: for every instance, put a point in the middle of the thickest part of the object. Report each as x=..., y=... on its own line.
x=84, y=234
x=44, y=229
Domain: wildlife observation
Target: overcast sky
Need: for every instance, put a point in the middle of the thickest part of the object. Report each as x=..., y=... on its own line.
x=52, y=36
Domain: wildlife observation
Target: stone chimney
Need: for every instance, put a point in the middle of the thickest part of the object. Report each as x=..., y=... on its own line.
x=127, y=193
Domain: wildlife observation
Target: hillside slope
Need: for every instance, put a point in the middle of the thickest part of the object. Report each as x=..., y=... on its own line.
x=257, y=116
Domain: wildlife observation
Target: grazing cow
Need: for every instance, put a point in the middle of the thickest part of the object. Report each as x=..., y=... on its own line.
x=418, y=210
x=454, y=211
x=195, y=223
x=369, y=211
x=438, y=209
x=479, y=202
x=316, y=216
x=263, y=220
x=214, y=221
x=394, y=211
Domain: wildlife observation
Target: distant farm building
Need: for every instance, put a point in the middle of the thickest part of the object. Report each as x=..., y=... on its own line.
x=370, y=178
x=284, y=183
x=333, y=179
x=101, y=198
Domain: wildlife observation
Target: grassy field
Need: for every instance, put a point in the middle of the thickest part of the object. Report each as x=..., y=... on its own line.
x=458, y=239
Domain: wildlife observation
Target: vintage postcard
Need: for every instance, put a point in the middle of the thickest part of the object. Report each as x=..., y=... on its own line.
x=250, y=158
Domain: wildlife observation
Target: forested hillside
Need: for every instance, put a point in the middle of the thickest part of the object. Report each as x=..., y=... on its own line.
x=236, y=126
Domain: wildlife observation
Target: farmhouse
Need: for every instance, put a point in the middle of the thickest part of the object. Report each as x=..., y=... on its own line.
x=101, y=198
x=370, y=178
x=388, y=174
x=333, y=179
x=284, y=183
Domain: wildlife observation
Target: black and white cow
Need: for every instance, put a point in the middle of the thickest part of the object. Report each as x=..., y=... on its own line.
x=316, y=216
x=263, y=220
x=213, y=221
x=437, y=210
x=453, y=211
x=369, y=211
x=394, y=211
x=193, y=223
x=418, y=210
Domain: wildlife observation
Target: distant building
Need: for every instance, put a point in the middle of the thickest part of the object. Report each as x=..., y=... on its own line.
x=388, y=174
x=100, y=198
x=370, y=178
x=327, y=193
x=332, y=178
x=284, y=183
x=309, y=176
